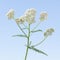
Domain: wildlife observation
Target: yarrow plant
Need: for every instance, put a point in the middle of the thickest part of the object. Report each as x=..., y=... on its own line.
x=27, y=20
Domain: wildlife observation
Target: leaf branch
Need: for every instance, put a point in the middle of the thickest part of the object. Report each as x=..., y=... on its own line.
x=18, y=36
x=37, y=50
x=36, y=31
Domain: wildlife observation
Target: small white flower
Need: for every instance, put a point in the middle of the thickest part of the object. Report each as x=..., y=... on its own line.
x=43, y=16
x=21, y=20
x=30, y=15
x=10, y=14
x=48, y=32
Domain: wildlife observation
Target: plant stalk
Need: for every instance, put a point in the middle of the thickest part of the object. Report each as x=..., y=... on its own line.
x=28, y=42
x=22, y=30
x=36, y=26
x=39, y=42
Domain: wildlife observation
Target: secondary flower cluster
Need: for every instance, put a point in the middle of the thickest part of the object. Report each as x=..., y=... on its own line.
x=29, y=16
x=49, y=32
x=43, y=16
x=20, y=20
x=10, y=14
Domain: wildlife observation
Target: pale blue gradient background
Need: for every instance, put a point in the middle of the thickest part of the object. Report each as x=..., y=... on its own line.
x=13, y=48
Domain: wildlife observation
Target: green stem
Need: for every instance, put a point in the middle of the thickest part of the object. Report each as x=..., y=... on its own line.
x=27, y=50
x=28, y=42
x=39, y=42
x=36, y=26
x=24, y=25
x=22, y=30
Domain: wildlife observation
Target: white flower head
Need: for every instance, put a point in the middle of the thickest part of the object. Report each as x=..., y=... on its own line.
x=48, y=32
x=30, y=11
x=10, y=14
x=30, y=19
x=30, y=15
x=43, y=16
x=21, y=20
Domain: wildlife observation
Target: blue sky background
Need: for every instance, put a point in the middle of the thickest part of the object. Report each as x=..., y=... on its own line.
x=12, y=48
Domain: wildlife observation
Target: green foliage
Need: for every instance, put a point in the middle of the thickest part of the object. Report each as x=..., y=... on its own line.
x=37, y=50
x=36, y=31
x=18, y=36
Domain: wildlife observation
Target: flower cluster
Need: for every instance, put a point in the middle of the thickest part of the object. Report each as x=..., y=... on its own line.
x=10, y=14
x=43, y=16
x=30, y=15
x=49, y=32
x=20, y=20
